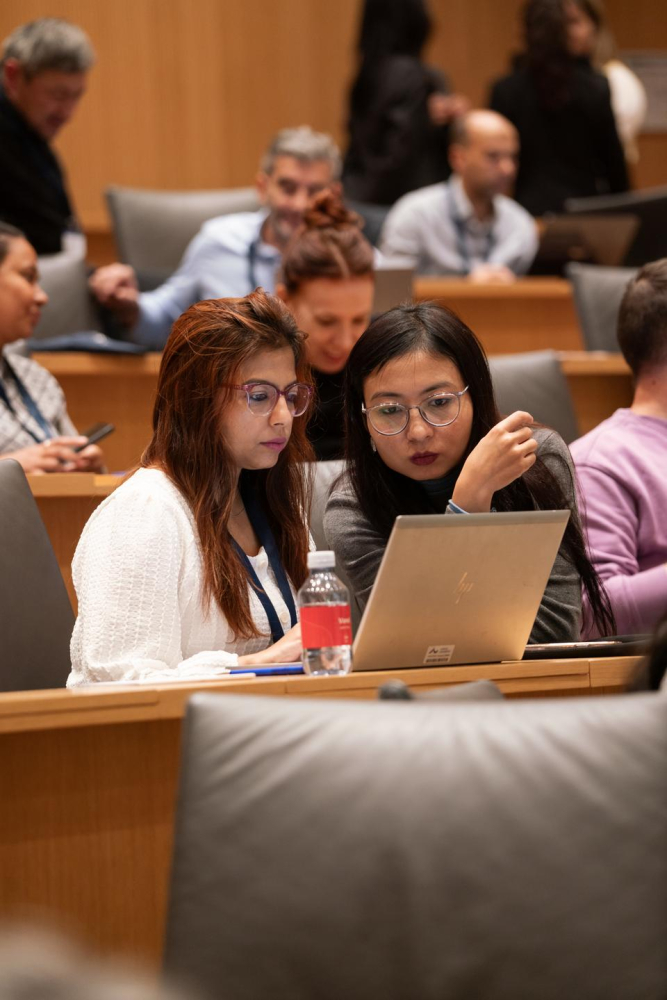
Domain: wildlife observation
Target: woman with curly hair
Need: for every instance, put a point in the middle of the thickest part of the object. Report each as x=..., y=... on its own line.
x=327, y=281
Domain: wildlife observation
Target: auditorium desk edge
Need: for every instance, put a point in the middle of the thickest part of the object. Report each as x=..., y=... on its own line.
x=88, y=783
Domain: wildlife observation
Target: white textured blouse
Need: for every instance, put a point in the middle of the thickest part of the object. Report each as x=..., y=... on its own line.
x=138, y=575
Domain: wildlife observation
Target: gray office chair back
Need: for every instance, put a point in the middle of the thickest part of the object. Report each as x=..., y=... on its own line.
x=37, y=617
x=501, y=851
x=70, y=308
x=153, y=228
x=535, y=382
x=324, y=476
x=597, y=293
x=373, y=217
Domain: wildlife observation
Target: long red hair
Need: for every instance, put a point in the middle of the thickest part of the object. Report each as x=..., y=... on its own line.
x=206, y=347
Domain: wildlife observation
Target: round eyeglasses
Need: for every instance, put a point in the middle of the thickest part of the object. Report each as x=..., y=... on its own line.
x=263, y=396
x=438, y=410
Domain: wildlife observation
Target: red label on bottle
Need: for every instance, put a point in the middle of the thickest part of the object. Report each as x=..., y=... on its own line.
x=326, y=625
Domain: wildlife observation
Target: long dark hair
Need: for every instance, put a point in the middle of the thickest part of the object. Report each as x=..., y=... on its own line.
x=545, y=54
x=388, y=27
x=206, y=347
x=383, y=494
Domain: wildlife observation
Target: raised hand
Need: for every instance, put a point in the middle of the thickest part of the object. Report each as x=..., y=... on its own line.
x=58, y=455
x=503, y=455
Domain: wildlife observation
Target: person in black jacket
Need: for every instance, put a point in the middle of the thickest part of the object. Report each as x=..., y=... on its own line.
x=44, y=66
x=399, y=107
x=561, y=108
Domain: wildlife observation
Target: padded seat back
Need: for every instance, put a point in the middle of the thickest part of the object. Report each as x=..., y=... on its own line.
x=330, y=849
x=597, y=295
x=153, y=228
x=534, y=381
x=71, y=307
x=37, y=617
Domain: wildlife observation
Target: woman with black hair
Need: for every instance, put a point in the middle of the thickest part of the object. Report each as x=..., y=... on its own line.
x=399, y=108
x=561, y=107
x=424, y=435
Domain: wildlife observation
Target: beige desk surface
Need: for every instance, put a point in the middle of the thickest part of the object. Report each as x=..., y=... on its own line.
x=531, y=314
x=88, y=784
x=119, y=390
x=599, y=384
x=102, y=704
x=65, y=502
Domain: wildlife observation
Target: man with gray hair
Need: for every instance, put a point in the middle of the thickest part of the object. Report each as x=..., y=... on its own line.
x=44, y=65
x=232, y=254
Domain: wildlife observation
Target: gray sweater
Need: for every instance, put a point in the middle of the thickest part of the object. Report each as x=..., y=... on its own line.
x=359, y=549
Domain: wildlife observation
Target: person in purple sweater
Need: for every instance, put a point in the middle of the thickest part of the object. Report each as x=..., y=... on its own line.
x=622, y=465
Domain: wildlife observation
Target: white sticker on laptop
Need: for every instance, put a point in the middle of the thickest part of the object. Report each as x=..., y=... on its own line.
x=437, y=655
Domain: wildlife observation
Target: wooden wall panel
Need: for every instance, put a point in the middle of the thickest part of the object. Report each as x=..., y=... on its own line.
x=473, y=42
x=186, y=92
x=643, y=25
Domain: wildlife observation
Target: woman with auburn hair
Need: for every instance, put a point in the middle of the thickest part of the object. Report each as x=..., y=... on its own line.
x=424, y=435
x=327, y=281
x=191, y=566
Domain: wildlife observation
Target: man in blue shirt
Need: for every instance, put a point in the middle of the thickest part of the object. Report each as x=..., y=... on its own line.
x=232, y=254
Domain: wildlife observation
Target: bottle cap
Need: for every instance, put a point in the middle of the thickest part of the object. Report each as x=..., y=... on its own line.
x=326, y=559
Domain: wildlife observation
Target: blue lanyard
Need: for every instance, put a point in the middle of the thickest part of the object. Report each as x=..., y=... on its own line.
x=260, y=523
x=252, y=257
x=30, y=405
x=462, y=235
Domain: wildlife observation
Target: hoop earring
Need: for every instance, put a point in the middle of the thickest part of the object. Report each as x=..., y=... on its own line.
x=373, y=448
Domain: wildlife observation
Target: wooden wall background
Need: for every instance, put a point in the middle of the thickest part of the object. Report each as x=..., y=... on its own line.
x=186, y=92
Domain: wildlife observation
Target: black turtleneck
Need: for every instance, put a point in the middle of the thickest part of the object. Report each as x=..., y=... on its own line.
x=326, y=429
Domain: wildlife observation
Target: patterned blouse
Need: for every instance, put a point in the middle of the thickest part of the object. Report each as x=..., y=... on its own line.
x=17, y=425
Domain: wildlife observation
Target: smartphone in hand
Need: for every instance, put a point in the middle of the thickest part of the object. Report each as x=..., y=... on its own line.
x=95, y=434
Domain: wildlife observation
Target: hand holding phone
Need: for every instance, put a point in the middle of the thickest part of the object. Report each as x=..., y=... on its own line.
x=95, y=434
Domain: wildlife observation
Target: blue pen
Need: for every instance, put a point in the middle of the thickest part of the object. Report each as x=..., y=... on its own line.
x=289, y=668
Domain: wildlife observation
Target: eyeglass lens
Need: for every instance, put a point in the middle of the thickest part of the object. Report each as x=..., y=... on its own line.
x=439, y=410
x=262, y=399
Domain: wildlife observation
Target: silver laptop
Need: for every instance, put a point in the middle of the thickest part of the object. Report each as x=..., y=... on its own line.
x=456, y=588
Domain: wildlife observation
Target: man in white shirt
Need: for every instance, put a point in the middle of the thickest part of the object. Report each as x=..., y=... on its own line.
x=468, y=225
x=232, y=254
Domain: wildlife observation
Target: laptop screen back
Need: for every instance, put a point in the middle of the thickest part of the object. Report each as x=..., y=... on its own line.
x=458, y=589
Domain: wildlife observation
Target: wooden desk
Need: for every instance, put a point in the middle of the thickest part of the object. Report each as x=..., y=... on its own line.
x=88, y=783
x=107, y=387
x=599, y=382
x=531, y=314
x=66, y=501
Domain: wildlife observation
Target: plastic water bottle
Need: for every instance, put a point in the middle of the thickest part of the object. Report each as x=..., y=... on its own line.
x=326, y=627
